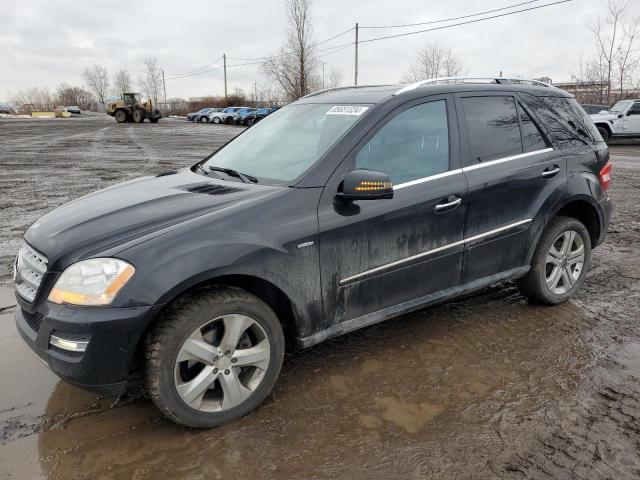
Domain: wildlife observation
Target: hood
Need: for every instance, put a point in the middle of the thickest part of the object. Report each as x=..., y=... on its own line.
x=127, y=211
x=607, y=117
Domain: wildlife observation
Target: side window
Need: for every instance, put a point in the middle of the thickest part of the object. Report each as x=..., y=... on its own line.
x=493, y=127
x=531, y=134
x=565, y=120
x=413, y=144
x=635, y=109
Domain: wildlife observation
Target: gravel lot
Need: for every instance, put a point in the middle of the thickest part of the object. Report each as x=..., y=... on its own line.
x=486, y=387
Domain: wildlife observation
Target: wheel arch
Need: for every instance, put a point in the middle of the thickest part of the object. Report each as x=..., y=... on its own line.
x=605, y=125
x=580, y=207
x=266, y=291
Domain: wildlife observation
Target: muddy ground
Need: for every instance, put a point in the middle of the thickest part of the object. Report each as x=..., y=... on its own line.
x=486, y=387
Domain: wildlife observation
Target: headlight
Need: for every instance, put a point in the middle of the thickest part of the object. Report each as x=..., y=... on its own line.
x=91, y=282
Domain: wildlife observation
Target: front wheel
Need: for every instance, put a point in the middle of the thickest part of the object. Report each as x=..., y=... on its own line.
x=121, y=116
x=604, y=133
x=216, y=120
x=213, y=357
x=559, y=263
x=138, y=116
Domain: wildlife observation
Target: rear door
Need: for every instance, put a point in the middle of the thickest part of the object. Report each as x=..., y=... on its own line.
x=512, y=171
x=376, y=254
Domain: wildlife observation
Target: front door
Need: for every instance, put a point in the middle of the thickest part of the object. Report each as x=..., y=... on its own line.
x=631, y=125
x=381, y=254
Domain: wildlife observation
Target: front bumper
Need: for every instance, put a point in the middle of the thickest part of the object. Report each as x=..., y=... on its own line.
x=113, y=335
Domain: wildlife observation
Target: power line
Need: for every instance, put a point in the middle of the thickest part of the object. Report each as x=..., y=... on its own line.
x=337, y=48
x=197, y=69
x=464, y=23
x=452, y=18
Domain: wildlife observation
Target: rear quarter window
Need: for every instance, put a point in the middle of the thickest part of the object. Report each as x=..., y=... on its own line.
x=564, y=118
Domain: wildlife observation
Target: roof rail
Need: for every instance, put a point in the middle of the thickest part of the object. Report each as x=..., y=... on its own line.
x=333, y=89
x=497, y=80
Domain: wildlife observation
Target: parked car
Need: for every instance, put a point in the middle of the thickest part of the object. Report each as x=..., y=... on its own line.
x=340, y=210
x=7, y=109
x=621, y=121
x=226, y=116
x=194, y=116
x=258, y=115
x=73, y=109
x=240, y=114
x=593, y=109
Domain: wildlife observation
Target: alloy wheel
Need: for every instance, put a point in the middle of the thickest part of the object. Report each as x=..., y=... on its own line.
x=222, y=363
x=565, y=262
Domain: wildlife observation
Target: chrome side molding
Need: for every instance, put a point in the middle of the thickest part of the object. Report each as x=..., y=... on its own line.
x=389, y=266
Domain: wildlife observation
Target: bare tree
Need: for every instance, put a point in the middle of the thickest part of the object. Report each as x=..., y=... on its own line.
x=34, y=99
x=98, y=80
x=616, y=52
x=67, y=95
x=334, y=78
x=292, y=69
x=121, y=82
x=151, y=79
x=433, y=61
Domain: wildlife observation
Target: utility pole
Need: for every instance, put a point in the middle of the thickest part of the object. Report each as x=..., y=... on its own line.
x=224, y=60
x=164, y=87
x=323, y=63
x=355, y=82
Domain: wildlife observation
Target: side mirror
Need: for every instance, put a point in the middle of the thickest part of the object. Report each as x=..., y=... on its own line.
x=621, y=115
x=365, y=185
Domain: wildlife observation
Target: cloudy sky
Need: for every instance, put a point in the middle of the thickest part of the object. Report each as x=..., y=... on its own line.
x=44, y=42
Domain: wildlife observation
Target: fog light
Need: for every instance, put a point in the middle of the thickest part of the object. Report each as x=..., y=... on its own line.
x=75, y=344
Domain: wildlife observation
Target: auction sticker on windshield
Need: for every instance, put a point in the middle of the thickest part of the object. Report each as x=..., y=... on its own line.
x=347, y=110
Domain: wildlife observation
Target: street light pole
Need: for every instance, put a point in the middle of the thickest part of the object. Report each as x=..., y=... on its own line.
x=224, y=59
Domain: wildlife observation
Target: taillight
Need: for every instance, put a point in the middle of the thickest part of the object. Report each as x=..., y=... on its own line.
x=605, y=176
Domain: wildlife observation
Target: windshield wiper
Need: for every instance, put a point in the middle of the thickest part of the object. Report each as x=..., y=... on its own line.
x=234, y=173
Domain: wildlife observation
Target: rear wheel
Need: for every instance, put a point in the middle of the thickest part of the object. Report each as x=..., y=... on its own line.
x=121, y=116
x=213, y=357
x=559, y=263
x=138, y=116
x=604, y=133
x=205, y=119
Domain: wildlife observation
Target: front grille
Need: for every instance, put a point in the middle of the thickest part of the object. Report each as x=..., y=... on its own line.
x=30, y=268
x=34, y=320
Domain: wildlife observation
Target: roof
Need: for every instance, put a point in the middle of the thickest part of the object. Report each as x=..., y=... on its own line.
x=373, y=94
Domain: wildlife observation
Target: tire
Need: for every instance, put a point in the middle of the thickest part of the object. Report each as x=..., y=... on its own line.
x=121, y=116
x=216, y=120
x=553, y=278
x=229, y=121
x=604, y=133
x=205, y=120
x=250, y=122
x=205, y=315
x=138, y=116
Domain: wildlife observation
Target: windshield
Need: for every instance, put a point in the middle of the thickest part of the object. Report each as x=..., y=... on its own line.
x=284, y=145
x=620, y=107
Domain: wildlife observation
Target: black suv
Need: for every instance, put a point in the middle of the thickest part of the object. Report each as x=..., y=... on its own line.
x=343, y=209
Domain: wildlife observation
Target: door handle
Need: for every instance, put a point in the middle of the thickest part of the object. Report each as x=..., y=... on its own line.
x=451, y=202
x=551, y=171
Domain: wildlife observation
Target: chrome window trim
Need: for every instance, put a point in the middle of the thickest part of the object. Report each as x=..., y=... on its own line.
x=507, y=159
x=470, y=167
x=352, y=278
x=427, y=179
